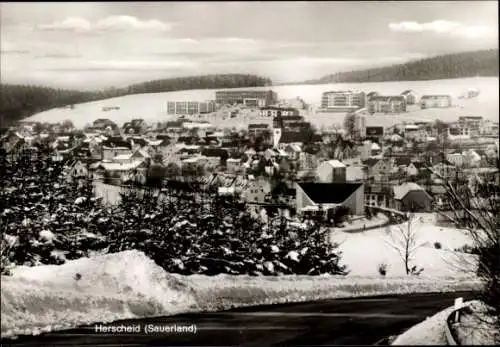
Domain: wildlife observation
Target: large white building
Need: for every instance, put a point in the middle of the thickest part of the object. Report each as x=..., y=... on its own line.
x=190, y=107
x=342, y=101
x=435, y=101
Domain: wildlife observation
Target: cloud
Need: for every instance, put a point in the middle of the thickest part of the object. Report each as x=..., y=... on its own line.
x=110, y=23
x=123, y=23
x=441, y=27
x=69, y=24
x=58, y=56
x=14, y=51
x=121, y=65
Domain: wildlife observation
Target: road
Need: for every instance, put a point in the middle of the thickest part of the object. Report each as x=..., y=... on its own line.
x=328, y=322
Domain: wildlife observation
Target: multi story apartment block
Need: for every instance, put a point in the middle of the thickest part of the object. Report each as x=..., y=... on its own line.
x=435, y=101
x=250, y=98
x=258, y=129
x=474, y=123
x=190, y=107
x=387, y=104
x=342, y=101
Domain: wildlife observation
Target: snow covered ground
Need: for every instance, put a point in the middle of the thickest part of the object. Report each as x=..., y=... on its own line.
x=152, y=107
x=130, y=285
x=476, y=327
x=363, y=252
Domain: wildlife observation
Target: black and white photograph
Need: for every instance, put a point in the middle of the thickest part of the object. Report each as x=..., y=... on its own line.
x=249, y=173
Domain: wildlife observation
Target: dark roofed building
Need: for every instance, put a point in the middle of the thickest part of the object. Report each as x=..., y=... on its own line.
x=116, y=142
x=370, y=162
x=402, y=161
x=215, y=152
x=374, y=131
x=371, y=95
x=188, y=140
x=138, y=141
x=310, y=196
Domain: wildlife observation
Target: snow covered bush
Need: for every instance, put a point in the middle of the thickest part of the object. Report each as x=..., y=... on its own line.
x=192, y=232
x=50, y=216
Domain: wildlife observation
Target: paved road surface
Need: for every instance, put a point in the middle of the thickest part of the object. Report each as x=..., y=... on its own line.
x=329, y=322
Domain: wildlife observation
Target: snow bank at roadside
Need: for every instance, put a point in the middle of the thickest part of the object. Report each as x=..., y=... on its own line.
x=129, y=285
x=429, y=332
x=111, y=287
x=475, y=328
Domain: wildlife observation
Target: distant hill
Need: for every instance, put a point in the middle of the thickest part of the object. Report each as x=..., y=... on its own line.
x=21, y=101
x=458, y=65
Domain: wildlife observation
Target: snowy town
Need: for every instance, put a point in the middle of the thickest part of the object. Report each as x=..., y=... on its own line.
x=337, y=190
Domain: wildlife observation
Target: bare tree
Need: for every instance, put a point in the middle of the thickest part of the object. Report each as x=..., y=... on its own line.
x=474, y=205
x=404, y=239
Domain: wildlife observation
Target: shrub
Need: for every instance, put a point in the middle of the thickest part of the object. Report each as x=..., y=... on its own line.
x=437, y=245
x=382, y=269
x=468, y=249
x=415, y=271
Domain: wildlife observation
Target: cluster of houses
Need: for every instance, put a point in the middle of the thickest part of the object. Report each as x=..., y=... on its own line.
x=282, y=162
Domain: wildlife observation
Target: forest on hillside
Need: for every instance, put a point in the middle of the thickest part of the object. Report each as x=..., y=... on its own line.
x=458, y=65
x=21, y=101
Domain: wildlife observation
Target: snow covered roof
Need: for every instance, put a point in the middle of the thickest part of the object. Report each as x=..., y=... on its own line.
x=126, y=156
x=282, y=152
x=189, y=125
x=401, y=191
x=226, y=190
x=63, y=138
x=271, y=152
x=295, y=147
x=233, y=160
x=117, y=148
x=335, y=163
x=121, y=166
x=142, y=152
x=191, y=160
x=411, y=127
x=155, y=142
x=375, y=147
x=181, y=145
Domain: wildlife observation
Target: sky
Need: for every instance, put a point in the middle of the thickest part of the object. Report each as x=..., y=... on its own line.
x=92, y=45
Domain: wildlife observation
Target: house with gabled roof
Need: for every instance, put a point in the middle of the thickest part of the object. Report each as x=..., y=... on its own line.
x=415, y=168
x=378, y=169
x=410, y=96
x=410, y=197
x=327, y=196
x=444, y=169
x=331, y=171
x=78, y=169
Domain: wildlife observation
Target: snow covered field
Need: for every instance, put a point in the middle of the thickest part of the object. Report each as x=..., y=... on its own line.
x=130, y=285
x=436, y=262
x=152, y=107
